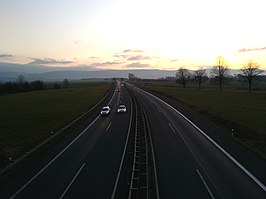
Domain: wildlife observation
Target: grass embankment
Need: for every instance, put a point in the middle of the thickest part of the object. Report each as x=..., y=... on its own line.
x=28, y=118
x=244, y=112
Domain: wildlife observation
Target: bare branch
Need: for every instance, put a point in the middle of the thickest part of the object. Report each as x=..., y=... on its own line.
x=220, y=70
x=250, y=71
x=199, y=75
x=183, y=75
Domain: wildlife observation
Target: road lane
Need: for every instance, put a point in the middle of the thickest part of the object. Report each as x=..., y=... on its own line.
x=98, y=177
x=102, y=164
x=221, y=168
x=176, y=169
x=178, y=153
x=188, y=165
x=88, y=156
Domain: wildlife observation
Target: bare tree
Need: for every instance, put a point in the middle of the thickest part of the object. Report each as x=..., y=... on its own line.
x=250, y=71
x=132, y=77
x=20, y=81
x=182, y=76
x=199, y=75
x=220, y=70
x=66, y=83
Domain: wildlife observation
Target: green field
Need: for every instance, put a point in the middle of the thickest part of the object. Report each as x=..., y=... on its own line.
x=28, y=118
x=242, y=111
x=206, y=85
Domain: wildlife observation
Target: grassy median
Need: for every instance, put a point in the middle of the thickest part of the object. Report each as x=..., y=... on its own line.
x=242, y=111
x=28, y=118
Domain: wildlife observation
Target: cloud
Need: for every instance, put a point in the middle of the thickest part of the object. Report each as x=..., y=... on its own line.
x=46, y=61
x=251, y=49
x=133, y=50
x=128, y=50
x=121, y=55
x=130, y=54
x=4, y=56
x=82, y=43
x=138, y=51
x=174, y=60
x=138, y=65
x=105, y=64
x=138, y=57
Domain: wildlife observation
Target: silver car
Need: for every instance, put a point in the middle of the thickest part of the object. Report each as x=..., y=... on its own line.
x=105, y=110
x=122, y=109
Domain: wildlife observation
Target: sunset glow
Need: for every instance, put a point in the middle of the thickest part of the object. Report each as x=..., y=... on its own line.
x=132, y=34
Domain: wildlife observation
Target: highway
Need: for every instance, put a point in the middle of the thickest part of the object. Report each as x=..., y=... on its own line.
x=95, y=160
x=84, y=167
x=189, y=163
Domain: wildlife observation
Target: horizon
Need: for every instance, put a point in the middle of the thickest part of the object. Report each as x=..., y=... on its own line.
x=127, y=35
x=12, y=72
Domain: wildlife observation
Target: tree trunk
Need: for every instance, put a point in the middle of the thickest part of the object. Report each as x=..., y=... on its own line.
x=184, y=82
x=249, y=86
x=220, y=84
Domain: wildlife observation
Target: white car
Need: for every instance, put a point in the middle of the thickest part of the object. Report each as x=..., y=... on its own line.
x=122, y=109
x=105, y=110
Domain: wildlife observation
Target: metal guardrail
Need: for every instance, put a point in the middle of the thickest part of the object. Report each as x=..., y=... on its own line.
x=137, y=177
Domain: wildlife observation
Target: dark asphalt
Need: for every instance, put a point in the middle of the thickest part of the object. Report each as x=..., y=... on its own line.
x=188, y=164
x=85, y=166
x=85, y=163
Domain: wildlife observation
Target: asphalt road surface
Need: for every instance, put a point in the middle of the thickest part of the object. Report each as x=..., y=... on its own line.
x=86, y=163
x=189, y=163
x=84, y=167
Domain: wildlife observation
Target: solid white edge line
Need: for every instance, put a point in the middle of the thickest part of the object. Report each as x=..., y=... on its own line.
x=72, y=181
x=57, y=156
x=47, y=140
x=256, y=180
x=46, y=166
x=124, y=152
x=205, y=184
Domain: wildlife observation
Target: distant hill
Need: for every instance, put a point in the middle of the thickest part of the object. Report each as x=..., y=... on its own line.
x=152, y=74
x=9, y=72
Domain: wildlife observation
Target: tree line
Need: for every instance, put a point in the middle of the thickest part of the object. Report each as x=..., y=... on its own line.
x=21, y=85
x=219, y=72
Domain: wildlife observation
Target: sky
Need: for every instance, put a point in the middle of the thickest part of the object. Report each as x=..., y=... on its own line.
x=132, y=34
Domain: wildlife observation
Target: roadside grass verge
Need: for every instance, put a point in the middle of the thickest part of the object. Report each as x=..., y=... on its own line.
x=243, y=112
x=26, y=119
